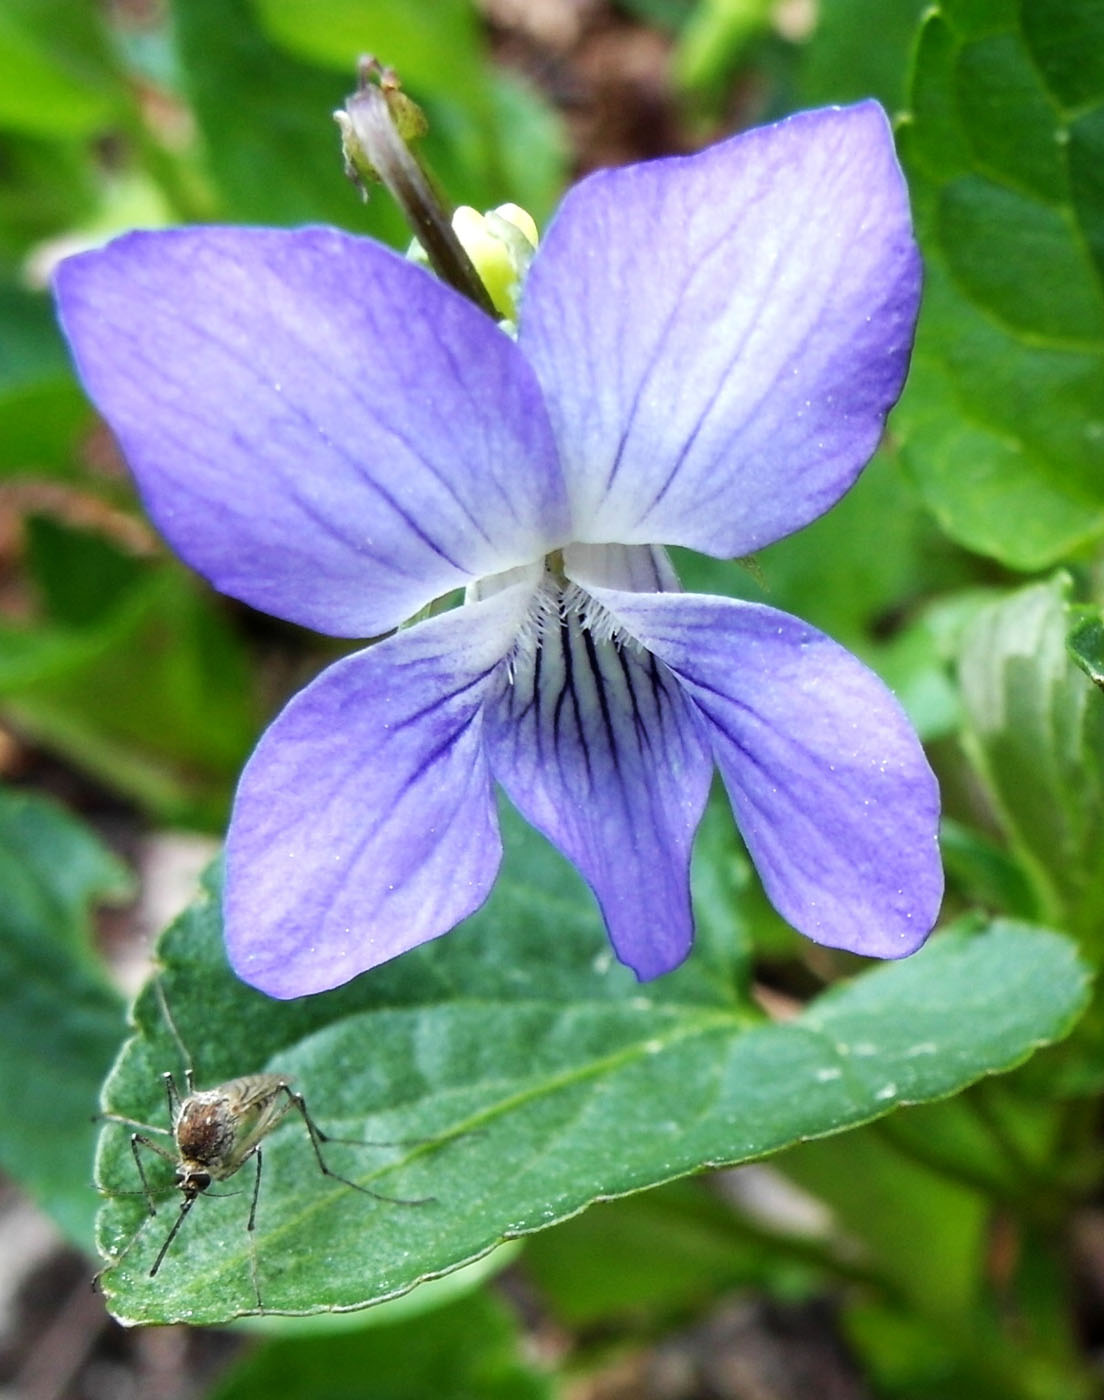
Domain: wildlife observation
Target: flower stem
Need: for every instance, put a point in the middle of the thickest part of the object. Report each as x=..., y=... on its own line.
x=376, y=126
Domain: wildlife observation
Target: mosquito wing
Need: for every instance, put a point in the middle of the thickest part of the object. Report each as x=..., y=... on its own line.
x=258, y=1102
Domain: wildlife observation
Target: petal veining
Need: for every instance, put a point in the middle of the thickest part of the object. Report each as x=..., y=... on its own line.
x=832, y=792
x=364, y=823
x=638, y=568
x=597, y=747
x=720, y=336
x=316, y=424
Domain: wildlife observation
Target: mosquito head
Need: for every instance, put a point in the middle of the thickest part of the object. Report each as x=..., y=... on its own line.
x=192, y=1180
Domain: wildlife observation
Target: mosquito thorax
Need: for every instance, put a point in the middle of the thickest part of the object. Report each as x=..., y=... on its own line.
x=205, y=1129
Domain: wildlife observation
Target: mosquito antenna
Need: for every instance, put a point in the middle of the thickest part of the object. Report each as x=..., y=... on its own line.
x=185, y=1206
x=182, y=1049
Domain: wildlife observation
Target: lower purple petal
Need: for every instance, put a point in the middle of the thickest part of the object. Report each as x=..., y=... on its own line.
x=364, y=823
x=831, y=789
x=597, y=747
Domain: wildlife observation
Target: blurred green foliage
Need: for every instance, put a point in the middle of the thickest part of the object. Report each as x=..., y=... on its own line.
x=469, y=1348
x=62, y=1018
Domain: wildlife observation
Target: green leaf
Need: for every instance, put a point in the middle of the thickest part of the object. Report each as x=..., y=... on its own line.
x=80, y=574
x=267, y=125
x=266, y=111
x=41, y=408
x=1000, y=421
x=1067, y=42
x=426, y=1298
x=49, y=187
x=40, y=425
x=654, y=1254
x=59, y=79
x=937, y=1262
x=60, y=1020
x=667, y=14
x=467, y=1350
x=530, y=154
x=32, y=347
x=544, y=1078
x=840, y=64
x=432, y=47
x=1086, y=646
x=1035, y=730
x=984, y=873
x=715, y=38
x=138, y=679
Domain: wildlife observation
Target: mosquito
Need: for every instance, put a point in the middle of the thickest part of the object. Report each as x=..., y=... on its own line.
x=216, y=1131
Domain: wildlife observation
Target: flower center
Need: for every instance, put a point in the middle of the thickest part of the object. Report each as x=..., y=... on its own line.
x=558, y=602
x=562, y=610
x=559, y=610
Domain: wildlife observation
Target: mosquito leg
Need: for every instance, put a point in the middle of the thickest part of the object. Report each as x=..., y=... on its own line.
x=395, y=1142
x=172, y=1094
x=131, y=1123
x=139, y=1140
x=256, y=1193
x=136, y=1140
x=317, y=1138
x=323, y=1136
x=250, y=1228
x=185, y=1058
x=367, y=1142
x=122, y=1254
x=185, y=1206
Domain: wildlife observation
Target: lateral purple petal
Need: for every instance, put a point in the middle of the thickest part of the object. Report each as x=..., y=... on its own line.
x=829, y=784
x=598, y=749
x=365, y=822
x=721, y=336
x=316, y=424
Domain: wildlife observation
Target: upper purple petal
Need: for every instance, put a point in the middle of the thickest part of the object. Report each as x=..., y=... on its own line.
x=365, y=821
x=598, y=748
x=831, y=789
x=721, y=336
x=316, y=424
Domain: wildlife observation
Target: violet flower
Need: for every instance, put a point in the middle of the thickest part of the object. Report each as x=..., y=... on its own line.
x=707, y=350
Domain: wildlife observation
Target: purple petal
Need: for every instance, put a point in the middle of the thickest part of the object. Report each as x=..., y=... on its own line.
x=317, y=425
x=830, y=786
x=365, y=822
x=597, y=748
x=720, y=337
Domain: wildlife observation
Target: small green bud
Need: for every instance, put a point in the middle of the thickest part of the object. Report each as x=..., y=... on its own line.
x=377, y=125
x=374, y=137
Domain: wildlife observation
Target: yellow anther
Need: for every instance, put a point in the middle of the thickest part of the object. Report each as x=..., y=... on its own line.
x=500, y=244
